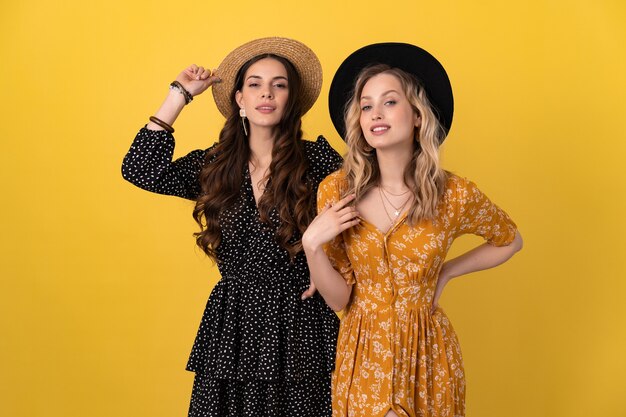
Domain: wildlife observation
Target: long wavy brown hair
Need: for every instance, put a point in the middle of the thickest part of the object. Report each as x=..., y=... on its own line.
x=287, y=190
x=423, y=175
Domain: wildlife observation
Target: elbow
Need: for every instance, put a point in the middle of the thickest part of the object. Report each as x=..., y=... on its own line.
x=337, y=307
x=340, y=302
x=135, y=176
x=128, y=173
x=337, y=302
x=518, y=242
x=136, y=172
x=131, y=177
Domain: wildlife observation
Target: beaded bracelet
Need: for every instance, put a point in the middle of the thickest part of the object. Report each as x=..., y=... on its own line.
x=175, y=85
x=161, y=123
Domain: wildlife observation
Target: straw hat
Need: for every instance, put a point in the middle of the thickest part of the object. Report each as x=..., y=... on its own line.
x=407, y=57
x=301, y=56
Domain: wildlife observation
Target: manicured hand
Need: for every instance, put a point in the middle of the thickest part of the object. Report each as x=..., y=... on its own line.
x=309, y=292
x=197, y=79
x=330, y=222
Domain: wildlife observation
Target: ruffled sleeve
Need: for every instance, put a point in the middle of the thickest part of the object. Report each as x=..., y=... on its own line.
x=478, y=215
x=329, y=193
x=148, y=165
x=323, y=159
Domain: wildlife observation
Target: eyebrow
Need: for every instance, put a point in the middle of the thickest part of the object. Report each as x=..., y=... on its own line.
x=383, y=94
x=280, y=77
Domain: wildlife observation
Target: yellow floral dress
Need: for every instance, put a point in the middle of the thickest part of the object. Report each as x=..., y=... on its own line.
x=392, y=353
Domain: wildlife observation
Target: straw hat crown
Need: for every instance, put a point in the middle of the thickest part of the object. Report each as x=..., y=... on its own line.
x=301, y=56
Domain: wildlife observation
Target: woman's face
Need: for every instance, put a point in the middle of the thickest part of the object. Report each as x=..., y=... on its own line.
x=264, y=93
x=387, y=118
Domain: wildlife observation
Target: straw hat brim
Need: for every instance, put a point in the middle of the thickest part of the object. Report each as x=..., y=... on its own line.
x=407, y=57
x=301, y=56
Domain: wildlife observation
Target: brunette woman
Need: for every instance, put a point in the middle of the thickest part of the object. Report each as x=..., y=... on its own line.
x=266, y=342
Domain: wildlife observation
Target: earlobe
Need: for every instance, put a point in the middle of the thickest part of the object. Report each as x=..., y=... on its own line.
x=418, y=121
x=238, y=97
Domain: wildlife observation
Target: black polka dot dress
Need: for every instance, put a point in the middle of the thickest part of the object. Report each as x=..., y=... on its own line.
x=260, y=349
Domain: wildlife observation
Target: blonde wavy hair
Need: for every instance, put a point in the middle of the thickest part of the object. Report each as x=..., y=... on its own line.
x=423, y=175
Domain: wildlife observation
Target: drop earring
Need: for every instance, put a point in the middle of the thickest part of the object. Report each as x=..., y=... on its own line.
x=242, y=114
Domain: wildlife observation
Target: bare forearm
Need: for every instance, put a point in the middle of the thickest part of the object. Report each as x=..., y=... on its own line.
x=169, y=110
x=483, y=257
x=328, y=225
x=330, y=284
x=191, y=82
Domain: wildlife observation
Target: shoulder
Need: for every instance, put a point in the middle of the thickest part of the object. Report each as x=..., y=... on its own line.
x=321, y=156
x=457, y=190
x=316, y=147
x=336, y=179
x=463, y=192
x=457, y=184
x=334, y=185
x=211, y=153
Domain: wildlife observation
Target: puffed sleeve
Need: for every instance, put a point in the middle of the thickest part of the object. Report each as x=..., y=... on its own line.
x=148, y=165
x=323, y=159
x=476, y=214
x=329, y=193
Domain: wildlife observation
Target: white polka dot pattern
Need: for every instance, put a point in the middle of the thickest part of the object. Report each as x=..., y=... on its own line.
x=260, y=350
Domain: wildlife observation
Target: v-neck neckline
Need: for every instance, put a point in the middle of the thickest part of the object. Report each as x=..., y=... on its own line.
x=250, y=188
x=391, y=229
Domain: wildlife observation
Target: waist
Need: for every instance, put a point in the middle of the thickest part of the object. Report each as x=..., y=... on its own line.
x=405, y=298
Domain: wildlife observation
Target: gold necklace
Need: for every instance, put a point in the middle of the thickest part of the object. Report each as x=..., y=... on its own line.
x=385, y=207
x=395, y=195
x=398, y=210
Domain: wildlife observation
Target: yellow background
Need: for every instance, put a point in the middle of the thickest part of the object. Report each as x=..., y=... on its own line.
x=102, y=289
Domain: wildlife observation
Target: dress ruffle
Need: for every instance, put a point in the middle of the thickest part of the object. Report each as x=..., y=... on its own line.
x=286, y=341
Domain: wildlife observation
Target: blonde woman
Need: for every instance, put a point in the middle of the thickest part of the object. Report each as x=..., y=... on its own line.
x=387, y=220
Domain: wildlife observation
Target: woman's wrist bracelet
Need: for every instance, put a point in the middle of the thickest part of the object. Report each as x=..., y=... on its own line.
x=161, y=123
x=175, y=85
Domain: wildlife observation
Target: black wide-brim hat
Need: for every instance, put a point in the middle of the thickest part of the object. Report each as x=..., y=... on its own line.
x=409, y=58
